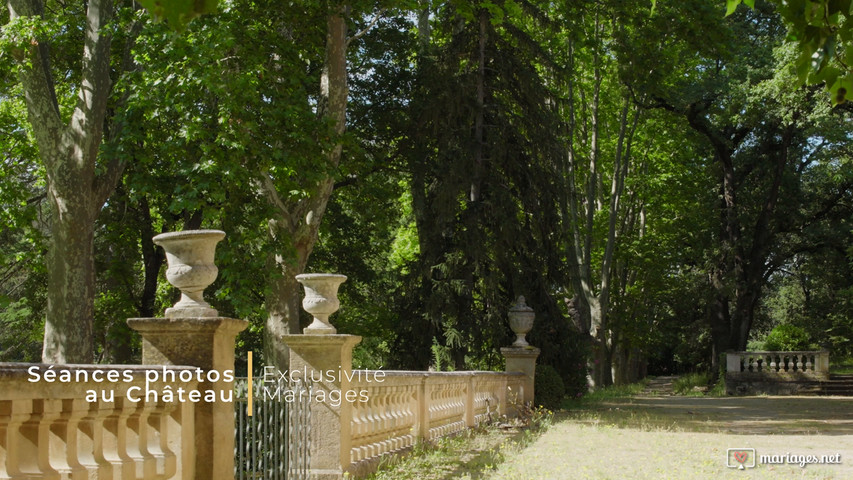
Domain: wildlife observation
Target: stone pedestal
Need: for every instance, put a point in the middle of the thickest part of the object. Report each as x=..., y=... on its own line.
x=522, y=359
x=320, y=356
x=207, y=343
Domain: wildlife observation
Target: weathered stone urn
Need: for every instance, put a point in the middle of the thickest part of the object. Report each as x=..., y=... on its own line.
x=521, y=321
x=321, y=300
x=189, y=255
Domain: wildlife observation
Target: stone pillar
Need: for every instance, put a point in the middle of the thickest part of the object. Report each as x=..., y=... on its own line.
x=207, y=343
x=821, y=367
x=316, y=357
x=523, y=359
x=733, y=362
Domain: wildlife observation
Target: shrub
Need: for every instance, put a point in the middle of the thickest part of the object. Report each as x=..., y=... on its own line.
x=549, y=389
x=786, y=337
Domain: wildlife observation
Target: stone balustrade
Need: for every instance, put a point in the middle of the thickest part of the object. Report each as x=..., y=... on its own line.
x=385, y=412
x=94, y=421
x=806, y=362
x=775, y=373
x=403, y=407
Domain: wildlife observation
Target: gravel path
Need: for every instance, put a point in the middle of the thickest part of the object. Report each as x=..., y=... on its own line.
x=688, y=438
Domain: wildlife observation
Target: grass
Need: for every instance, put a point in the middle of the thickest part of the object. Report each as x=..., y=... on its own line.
x=470, y=455
x=844, y=366
x=612, y=434
x=692, y=384
x=604, y=394
x=570, y=450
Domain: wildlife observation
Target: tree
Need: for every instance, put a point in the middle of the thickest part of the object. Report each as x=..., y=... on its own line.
x=296, y=221
x=480, y=160
x=79, y=178
x=762, y=137
x=595, y=217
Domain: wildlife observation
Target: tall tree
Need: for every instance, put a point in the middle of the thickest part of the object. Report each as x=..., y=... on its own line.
x=761, y=138
x=592, y=117
x=79, y=178
x=480, y=152
x=296, y=221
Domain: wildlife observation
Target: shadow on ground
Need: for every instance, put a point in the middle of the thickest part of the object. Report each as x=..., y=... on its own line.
x=733, y=415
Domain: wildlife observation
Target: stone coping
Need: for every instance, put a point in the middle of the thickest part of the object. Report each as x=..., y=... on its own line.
x=417, y=373
x=14, y=371
x=176, y=323
x=778, y=352
x=15, y=380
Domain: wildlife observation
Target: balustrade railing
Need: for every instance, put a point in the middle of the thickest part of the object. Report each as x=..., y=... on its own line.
x=405, y=407
x=94, y=421
x=815, y=363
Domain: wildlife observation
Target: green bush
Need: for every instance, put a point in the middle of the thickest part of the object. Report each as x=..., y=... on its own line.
x=549, y=389
x=786, y=337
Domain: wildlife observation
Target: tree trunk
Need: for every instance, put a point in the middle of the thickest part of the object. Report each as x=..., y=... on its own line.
x=299, y=224
x=283, y=304
x=71, y=281
x=76, y=192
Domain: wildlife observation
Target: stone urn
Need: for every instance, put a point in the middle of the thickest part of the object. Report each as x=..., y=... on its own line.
x=521, y=321
x=191, y=269
x=321, y=300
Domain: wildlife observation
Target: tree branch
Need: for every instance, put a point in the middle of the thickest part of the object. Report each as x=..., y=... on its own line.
x=39, y=90
x=87, y=121
x=366, y=29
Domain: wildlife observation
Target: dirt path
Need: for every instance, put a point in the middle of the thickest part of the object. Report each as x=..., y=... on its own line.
x=663, y=437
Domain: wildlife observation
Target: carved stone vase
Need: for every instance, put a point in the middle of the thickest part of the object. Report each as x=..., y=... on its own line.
x=189, y=255
x=321, y=300
x=521, y=321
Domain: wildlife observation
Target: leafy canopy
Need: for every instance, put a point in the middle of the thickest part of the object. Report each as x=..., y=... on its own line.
x=823, y=32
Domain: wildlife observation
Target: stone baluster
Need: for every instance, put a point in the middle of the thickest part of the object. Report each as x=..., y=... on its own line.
x=108, y=429
x=65, y=431
x=157, y=441
x=137, y=440
x=809, y=366
x=799, y=358
x=28, y=437
x=45, y=412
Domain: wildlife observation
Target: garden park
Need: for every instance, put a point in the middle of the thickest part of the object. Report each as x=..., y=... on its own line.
x=589, y=239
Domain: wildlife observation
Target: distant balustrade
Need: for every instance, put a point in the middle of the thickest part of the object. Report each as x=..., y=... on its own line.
x=775, y=373
x=806, y=362
x=58, y=430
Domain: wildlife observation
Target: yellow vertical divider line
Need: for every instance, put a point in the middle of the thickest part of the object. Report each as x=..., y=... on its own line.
x=249, y=406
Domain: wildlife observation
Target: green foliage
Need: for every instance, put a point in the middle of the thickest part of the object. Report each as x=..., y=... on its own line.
x=787, y=337
x=841, y=365
x=178, y=13
x=691, y=384
x=823, y=32
x=20, y=336
x=548, y=387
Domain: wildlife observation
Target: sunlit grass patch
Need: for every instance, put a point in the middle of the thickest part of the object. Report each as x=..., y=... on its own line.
x=604, y=394
x=841, y=366
x=692, y=384
x=468, y=455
